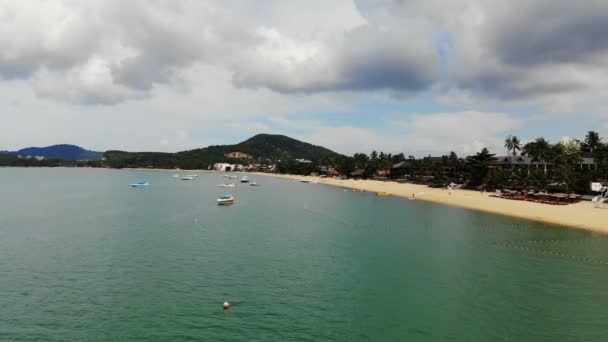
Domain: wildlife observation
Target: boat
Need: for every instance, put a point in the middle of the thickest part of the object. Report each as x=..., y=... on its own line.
x=140, y=185
x=383, y=194
x=305, y=181
x=175, y=176
x=245, y=179
x=254, y=184
x=187, y=178
x=225, y=200
x=229, y=185
x=232, y=177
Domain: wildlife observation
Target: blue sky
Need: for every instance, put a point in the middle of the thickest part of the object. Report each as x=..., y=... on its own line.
x=357, y=75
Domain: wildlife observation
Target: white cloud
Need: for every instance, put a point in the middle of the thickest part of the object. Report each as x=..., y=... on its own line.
x=462, y=132
x=88, y=71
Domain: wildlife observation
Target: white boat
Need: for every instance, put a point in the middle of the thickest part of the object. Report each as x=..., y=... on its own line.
x=187, y=178
x=245, y=179
x=140, y=185
x=232, y=177
x=225, y=200
x=254, y=183
x=305, y=181
x=175, y=176
x=229, y=185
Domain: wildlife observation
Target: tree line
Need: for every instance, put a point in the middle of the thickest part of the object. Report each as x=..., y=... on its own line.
x=555, y=166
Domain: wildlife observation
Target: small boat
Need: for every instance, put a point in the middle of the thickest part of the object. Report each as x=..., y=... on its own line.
x=230, y=185
x=140, y=185
x=225, y=200
x=383, y=194
x=232, y=177
x=245, y=179
x=187, y=178
x=305, y=181
x=175, y=176
x=254, y=184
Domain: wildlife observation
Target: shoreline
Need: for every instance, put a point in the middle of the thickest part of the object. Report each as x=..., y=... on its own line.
x=581, y=215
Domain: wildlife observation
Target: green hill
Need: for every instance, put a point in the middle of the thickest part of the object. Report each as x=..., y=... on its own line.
x=263, y=148
x=63, y=151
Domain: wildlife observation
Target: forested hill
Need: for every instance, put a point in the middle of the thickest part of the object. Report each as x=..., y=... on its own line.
x=63, y=151
x=261, y=148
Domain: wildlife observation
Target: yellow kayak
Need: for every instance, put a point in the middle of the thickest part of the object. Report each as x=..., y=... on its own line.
x=383, y=194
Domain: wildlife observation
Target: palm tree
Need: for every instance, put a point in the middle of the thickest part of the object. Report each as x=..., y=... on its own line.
x=539, y=150
x=509, y=144
x=515, y=145
x=592, y=140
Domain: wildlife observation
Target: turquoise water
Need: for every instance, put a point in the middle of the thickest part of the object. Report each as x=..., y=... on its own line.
x=84, y=257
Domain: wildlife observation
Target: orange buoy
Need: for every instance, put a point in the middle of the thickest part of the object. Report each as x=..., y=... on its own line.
x=226, y=306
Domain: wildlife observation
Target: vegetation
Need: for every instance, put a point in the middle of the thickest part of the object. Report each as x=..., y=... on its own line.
x=65, y=152
x=566, y=166
x=264, y=148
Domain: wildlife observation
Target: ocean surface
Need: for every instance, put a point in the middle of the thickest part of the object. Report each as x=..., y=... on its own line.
x=85, y=257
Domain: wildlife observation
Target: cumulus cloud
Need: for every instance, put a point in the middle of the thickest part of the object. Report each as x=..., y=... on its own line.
x=141, y=44
x=539, y=53
x=208, y=65
x=510, y=51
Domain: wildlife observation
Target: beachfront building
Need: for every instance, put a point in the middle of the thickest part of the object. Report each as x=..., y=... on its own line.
x=224, y=167
x=358, y=173
x=588, y=160
x=402, y=170
x=511, y=162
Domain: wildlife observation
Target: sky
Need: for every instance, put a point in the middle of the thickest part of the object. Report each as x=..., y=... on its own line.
x=400, y=76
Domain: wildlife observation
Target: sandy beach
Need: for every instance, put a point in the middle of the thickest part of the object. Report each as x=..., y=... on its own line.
x=581, y=215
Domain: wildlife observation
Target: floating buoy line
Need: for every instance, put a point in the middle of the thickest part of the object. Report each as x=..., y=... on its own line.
x=530, y=246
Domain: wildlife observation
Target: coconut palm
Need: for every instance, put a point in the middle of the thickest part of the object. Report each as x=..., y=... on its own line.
x=539, y=150
x=515, y=145
x=592, y=140
x=509, y=144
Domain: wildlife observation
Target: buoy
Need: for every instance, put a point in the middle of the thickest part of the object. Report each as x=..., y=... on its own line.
x=226, y=306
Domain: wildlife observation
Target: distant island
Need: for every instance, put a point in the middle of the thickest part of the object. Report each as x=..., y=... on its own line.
x=62, y=151
x=566, y=166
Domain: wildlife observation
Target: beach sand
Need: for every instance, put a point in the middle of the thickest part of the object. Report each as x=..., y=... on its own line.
x=581, y=215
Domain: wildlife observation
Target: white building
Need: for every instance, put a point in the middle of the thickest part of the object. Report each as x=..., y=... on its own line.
x=224, y=167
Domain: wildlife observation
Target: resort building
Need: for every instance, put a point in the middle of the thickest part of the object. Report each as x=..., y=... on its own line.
x=225, y=167
x=358, y=173
x=588, y=161
x=238, y=155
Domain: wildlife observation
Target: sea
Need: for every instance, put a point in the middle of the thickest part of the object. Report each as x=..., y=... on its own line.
x=86, y=257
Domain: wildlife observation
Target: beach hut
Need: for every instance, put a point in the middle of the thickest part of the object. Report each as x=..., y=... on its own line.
x=358, y=174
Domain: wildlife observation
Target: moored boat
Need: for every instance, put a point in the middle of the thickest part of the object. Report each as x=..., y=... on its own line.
x=225, y=200
x=383, y=194
x=245, y=179
x=254, y=183
x=140, y=185
x=229, y=185
x=187, y=178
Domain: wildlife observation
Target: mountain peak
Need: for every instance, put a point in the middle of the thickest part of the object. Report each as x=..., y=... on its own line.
x=60, y=151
